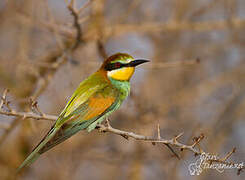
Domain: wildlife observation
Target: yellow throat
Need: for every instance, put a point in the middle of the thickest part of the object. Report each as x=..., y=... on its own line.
x=122, y=74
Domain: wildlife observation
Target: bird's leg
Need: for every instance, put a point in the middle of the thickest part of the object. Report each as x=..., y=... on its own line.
x=107, y=124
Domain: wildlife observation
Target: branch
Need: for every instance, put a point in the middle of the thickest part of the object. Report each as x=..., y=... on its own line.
x=76, y=24
x=38, y=115
x=173, y=141
x=25, y=115
x=194, y=147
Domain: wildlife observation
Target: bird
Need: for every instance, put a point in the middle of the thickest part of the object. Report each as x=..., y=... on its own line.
x=95, y=99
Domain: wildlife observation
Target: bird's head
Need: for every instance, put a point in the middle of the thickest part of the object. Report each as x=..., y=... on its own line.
x=121, y=66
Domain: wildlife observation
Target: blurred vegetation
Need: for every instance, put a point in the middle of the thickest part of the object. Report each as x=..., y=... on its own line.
x=206, y=97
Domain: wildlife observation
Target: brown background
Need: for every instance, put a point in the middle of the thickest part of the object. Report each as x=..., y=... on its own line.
x=206, y=97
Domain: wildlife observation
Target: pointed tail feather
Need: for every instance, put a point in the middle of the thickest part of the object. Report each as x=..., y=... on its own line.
x=29, y=160
x=36, y=152
x=54, y=137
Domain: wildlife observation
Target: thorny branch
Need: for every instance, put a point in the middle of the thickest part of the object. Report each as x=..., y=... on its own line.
x=174, y=141
x=37, y=114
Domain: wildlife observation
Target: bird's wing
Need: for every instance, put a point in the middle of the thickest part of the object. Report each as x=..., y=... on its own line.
x=86, y=89
x=96, y=105
x=99, y=104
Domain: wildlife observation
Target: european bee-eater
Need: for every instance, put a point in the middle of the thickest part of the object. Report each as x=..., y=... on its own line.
x=95, y=99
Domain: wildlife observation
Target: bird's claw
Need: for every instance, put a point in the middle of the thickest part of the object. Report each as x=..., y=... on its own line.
x=107, y=122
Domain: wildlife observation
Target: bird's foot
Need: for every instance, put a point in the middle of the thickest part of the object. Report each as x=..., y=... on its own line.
x=107, y=122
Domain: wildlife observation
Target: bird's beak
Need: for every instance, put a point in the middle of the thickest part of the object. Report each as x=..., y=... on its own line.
x=137, y=62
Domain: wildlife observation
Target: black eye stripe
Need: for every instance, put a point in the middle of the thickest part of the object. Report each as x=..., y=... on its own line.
x=113, y=66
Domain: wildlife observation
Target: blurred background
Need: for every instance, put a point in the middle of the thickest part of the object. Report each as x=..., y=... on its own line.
x=37, y=60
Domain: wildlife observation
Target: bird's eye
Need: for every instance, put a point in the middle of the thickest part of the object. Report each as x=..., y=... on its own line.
x=112, y=66
x=117, y=65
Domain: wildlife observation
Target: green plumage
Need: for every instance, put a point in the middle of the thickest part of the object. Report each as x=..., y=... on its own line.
x=95, y=98
x=77, y=108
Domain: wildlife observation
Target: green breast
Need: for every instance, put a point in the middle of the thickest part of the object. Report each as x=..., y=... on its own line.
x=122, y=86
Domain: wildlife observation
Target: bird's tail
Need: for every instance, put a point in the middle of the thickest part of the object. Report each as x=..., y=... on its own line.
x=54, y=137
x=37, y=150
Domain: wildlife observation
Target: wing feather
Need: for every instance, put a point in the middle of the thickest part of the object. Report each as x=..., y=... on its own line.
x=80, y=97
x=86, y=114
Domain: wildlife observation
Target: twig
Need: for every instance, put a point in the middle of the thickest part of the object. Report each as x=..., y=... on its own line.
x=168, y=146
x=229, y=154
x=52, y=21
x=38, y=115
x=84, y=6
x=76, y=24
x=224, y=161
x=101, y=49
x=139, y=137
x=25, y=115
x=35, y=108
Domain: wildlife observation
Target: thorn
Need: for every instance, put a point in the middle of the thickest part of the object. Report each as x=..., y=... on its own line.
x=177, y=137
x=197, y=140
x=229, y=154
x=158, y=131
x=35, y=108
x=181, y=134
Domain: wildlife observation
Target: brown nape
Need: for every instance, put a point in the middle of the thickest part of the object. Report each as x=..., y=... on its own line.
x=114, y=57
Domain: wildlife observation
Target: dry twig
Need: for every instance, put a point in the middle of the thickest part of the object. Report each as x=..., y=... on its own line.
x=37, y=114
x=174, y=141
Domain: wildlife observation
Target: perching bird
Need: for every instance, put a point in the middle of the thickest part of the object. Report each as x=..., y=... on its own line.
x=95, y=99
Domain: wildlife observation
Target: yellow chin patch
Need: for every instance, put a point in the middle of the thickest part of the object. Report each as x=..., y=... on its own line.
x=122, y=74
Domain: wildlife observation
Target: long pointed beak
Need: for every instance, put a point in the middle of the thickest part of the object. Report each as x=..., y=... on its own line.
x=137, y=62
